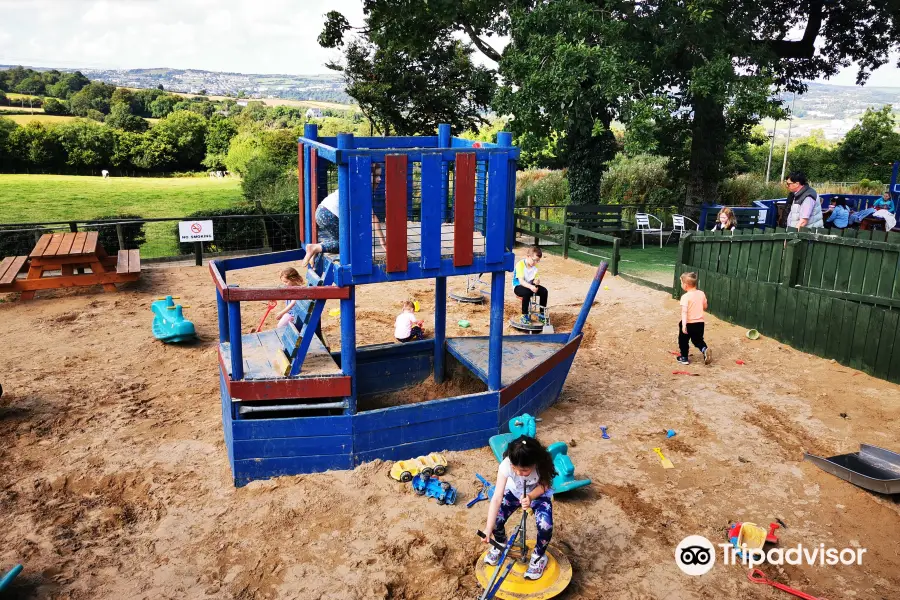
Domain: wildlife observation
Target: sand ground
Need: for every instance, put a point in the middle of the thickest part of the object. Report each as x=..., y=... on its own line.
x=114, y=481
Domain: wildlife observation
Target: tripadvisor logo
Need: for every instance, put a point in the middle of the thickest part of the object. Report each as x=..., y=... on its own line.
x=696, y=555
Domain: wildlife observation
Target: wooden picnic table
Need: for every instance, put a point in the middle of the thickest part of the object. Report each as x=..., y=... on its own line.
x=71, y=255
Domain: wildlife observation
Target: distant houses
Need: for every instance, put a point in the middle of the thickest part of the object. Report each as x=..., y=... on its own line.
x=314, y=113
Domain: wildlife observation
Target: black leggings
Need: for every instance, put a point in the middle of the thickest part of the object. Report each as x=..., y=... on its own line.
x=525, y=294
x=694, y=334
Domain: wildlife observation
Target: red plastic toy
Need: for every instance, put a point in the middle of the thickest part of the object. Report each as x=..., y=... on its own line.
x=272, y=304
x=757, y=576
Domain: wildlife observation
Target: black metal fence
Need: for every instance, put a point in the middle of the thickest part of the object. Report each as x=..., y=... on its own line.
x=158, y=239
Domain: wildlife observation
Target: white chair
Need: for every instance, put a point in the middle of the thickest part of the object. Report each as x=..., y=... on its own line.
x=645, y=228
x=679, y=227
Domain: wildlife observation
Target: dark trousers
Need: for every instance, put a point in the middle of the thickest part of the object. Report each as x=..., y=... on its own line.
x=415, y=333
x=694, y=334
x=525, y=294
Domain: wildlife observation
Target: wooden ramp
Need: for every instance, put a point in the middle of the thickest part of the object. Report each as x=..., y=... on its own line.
x=264, y=357
x=520, y=355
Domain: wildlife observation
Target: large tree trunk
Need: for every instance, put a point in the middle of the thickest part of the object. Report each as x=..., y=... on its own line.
x=708, y=133
x=587, y=155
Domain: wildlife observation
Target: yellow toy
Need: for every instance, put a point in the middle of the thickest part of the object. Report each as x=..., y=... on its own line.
x=428, y=465
x=557, y=575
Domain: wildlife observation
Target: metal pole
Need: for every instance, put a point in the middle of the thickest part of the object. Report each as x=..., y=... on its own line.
x=771, y=149
x=788, y=142
x=198, y=253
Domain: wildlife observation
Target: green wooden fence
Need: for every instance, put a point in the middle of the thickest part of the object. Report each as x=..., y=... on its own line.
x=836, y=296
x=564, y=235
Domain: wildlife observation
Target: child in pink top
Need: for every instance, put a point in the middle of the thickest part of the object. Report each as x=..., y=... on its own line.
x=690, y=328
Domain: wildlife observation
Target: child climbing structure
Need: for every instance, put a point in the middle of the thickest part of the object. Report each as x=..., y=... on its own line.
x=290, y=406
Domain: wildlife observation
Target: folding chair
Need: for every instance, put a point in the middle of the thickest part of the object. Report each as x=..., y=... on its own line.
x=645, y=228
x=678, y=226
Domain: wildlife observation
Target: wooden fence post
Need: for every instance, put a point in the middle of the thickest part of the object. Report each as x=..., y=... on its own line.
x=614, y=268
x=121, y=235
x=565, y=241
x=789, y=272
x=683, y=241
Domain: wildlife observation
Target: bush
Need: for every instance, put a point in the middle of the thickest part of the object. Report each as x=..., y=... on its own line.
x=742, y=190
x=641, y=179
x=133, y=234
x=18, y=243
x=542, y=186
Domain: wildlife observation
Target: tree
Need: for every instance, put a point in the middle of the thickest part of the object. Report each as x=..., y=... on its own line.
x=87, y=144
x=39, y=145
x=52, y=106
x=67, y=85
x=9, y=154
x=218, y=138
x=95, y=96
x=185, y=133
x=163, y=105
x=870, y=147
x=120, y=117
x=32, y=85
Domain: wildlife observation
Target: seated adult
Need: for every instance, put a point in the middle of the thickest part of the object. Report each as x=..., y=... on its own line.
x=806, y=210
x=840, y=215
x=726, y=220
x=885, y=202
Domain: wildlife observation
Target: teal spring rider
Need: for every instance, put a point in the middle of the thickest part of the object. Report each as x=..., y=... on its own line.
x=169, y=324
x=565, y=471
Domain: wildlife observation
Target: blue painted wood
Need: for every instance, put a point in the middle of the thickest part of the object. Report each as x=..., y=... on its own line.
x=420, y=432
x=495, y=232
x=457, y=142
x=495, y=363
x=310, y=132
x=401, y=416
x=345, y=140
x=391, y=142
x=440, y=326
x=465, y=441
x=226, y=417
x=311, y=324
x=327, y=152
x=360, y=237
x=444, y=142
x=539, y=395
x=234, y=335
x=432, y=209
x=259, y=260
x=297, y=446
x=588, y=300
x=222, y=311
x=392, y=374
x=328, y=140
x=392, y=350
x=348, y=346
x=249, y=470
x=415, y=155
x=289, y=337
x=345, y=276
x=292, y=427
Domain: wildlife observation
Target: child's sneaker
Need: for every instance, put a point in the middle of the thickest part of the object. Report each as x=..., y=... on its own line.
x=683, y=360
x=493, y=557
x=707, y=355
x=544, y=320
x=536, y=567
x=525, y=320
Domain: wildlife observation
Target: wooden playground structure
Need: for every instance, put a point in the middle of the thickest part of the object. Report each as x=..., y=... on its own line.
x=290, y=405
x=70, y=255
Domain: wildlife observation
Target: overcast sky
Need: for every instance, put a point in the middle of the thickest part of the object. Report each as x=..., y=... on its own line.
x=246, y=36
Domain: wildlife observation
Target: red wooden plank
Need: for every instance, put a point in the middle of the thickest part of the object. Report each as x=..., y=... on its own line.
x=53, y=246
x=49, y=283
x=464, y=213
x=90, y=243
x=42, y=244
x=217, y=278
x=395, y=217
x=314, y=192
x=327, y=292
x=15, y=265
x=279, y=389
x=78, y=244
x=509, y=393
x=5, y=264
x=301, y=195
x=65, y=247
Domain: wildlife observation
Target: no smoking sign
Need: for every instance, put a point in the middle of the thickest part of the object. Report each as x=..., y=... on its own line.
x=195, y=231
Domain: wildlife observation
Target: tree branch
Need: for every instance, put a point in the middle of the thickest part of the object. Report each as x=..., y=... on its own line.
x=805, y=47
x=481, y=44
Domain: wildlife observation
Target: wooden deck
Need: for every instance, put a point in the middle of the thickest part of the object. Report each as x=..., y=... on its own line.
x=264, y=357
x=520, y=356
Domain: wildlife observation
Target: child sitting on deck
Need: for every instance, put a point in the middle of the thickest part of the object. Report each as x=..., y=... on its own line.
x=526, y=283
x=291, y=278
x=523, y=479
x=407, y=328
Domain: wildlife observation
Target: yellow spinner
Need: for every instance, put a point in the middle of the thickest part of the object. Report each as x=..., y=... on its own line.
x=557, y=575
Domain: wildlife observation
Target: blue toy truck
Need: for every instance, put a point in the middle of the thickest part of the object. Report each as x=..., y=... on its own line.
x=433, y=487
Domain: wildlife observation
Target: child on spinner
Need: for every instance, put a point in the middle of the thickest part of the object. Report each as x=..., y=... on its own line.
x=691, y=326
x=526, y=283
x=407, y=328
x=291, y=278
x=523, y=478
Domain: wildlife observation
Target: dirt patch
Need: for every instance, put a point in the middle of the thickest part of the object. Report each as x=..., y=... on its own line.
x=460, y=384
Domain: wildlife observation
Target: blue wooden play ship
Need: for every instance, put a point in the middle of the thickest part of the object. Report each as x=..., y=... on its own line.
x=290, y=406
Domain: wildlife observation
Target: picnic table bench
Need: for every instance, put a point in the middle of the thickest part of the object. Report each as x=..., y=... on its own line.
x=598, y=218
x=70, y=254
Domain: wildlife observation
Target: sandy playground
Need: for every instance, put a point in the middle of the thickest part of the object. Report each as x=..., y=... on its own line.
x=114, y=481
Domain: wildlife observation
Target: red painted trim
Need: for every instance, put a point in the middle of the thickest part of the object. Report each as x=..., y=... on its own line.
x=314, y=192
x=509, y=393
x=300, y=195
x=327, y=292
x=285, y=389
x=217, y=278
x=395, y=218
x=464, y=213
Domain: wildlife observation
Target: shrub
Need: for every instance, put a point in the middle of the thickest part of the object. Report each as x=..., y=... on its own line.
x=18, y=243
x=742, y=190
x=542, y=186
x=641, y=179
x=133, y=234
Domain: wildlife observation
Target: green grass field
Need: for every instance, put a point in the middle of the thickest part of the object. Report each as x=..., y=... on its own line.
x=47, y=198
x=23, y=120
